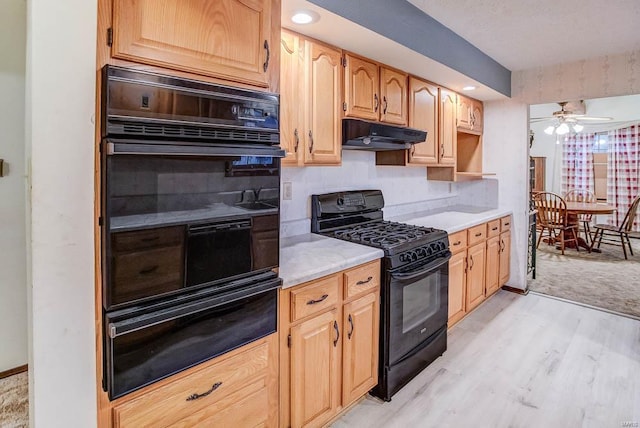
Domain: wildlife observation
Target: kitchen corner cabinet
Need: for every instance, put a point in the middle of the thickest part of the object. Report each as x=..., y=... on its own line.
x=232, y=40
x=329, y=345
x=310, y=101
x=470, y=115
x=479, y=265
x=374, y=92
x=238, y=388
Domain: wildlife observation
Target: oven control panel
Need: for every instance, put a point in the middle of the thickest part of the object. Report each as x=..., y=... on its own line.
x=426, y=251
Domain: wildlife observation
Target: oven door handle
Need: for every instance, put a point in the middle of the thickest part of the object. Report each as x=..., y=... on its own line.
x=429, y=267
x=128, y=325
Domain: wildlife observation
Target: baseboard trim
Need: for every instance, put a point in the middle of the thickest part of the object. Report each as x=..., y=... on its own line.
x=14, y=371
x=516, y=290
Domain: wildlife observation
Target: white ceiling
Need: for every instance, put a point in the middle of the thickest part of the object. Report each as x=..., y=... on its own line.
x=523, y=34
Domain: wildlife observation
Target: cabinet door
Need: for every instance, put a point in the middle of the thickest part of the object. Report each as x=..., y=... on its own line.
x=448, y=131
x=228, y=39
x=315, y=362
x=465, y=108
x=457, y=281
x=291, y=91
x=477, y=116
x=423, y=115
x=492, y=270
x=475, y=275
x=323, y=133
x=505, y=256
x=360, y=357
x=361, y=84
x=393, y=91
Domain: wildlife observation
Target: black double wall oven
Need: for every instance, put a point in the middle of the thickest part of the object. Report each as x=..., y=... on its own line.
x=189, y=223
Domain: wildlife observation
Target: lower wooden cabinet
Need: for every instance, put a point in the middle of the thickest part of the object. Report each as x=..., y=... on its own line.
x=237, y=389
x=479, y=265
x=329, y=353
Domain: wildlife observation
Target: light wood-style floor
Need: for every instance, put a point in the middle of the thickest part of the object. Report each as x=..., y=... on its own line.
x=522, y=361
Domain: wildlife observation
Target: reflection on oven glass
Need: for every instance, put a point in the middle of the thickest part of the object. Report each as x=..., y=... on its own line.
x=420, y=301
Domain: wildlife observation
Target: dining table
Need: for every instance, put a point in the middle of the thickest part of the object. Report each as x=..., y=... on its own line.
x=575, y=209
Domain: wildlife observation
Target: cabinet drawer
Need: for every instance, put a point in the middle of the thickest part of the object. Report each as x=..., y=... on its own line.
x=493, y=228
x=222, y=385
x=141, y=239
x=314, y=297
x=505, y=223
x=477, y=234
x=362, y=279
x=458, y=241
x=148, y=272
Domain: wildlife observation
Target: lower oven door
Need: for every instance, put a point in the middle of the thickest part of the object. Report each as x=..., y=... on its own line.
x=145, y=345
x=418, y=305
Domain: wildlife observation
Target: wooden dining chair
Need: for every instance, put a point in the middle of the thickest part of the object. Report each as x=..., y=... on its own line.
x=552, y=213
x=618, y=235
x=582, y=195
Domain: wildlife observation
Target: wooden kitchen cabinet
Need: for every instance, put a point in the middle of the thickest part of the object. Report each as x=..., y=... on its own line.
x=310, y=102
x=457, y=287
x=393, y=92
x=448, y=136
x=424, y=114
x=492, y=269
x=374, y=92
x=232, y=40
x=240, y=386
x=475, y=294
x=505, y=257
x=470, y=115
x=361, y=88
x=329, y=352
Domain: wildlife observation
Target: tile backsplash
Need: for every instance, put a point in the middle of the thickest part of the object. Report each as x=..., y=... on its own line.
x=405, y=189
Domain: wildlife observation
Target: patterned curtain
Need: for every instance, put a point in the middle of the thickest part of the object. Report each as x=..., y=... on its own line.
x=623, y=172
x=577, y=162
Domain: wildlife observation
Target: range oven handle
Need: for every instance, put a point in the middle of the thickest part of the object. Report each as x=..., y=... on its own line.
x=128, y=325
x=425, y=269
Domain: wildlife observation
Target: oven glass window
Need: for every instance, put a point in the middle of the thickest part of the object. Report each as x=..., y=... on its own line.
x=420, y=301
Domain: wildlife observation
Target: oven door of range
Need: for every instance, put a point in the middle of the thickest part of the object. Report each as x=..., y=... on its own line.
x=418, y=304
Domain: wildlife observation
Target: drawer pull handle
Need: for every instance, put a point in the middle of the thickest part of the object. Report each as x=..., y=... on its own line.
x=507, y=224
x=204, y=394
x=351, y=324
x=149, y=270
x=335, y=327
x=457, y=243
x=494, y=228
x=470, y=262
x=313, y=302
x=478, y=234
x=364, y=282
x=155, y=238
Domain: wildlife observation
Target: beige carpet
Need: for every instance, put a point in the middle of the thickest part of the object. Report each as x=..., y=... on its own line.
x=14, y=401
x=604, y=280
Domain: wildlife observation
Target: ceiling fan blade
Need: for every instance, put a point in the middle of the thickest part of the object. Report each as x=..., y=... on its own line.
x=593, y=118
x=540, y=119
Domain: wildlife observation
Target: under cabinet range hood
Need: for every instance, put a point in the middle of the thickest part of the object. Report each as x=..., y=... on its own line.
x=363, y=135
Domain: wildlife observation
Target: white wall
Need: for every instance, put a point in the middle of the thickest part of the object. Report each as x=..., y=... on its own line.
x=505, y=152
x=60, y=105
x=13, y=282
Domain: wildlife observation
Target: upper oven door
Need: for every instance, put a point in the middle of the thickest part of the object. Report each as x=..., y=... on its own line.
x=418, y=305
x=179, y=216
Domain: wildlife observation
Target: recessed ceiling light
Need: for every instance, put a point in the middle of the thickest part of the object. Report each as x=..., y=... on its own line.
x=304, y=17
x=469, y=88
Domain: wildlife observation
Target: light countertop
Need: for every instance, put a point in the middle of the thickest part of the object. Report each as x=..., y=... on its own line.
x=454, y=218
x=307, y=257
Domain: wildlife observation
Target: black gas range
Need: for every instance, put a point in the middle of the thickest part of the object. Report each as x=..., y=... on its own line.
x=415, y=272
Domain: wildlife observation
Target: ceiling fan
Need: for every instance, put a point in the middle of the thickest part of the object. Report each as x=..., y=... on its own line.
x=568, y=118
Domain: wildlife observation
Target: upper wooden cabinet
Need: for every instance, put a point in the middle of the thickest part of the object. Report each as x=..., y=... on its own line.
x=470, y=115
x=361, y=88
x=423, y=115
x=393, y=90
x=448, y=136
x=228, y=39
x=310, y=101
x=374, y=92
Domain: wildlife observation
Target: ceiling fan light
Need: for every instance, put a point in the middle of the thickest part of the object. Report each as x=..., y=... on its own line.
x=577, y=127
x=549, y=130
x=562, y=129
